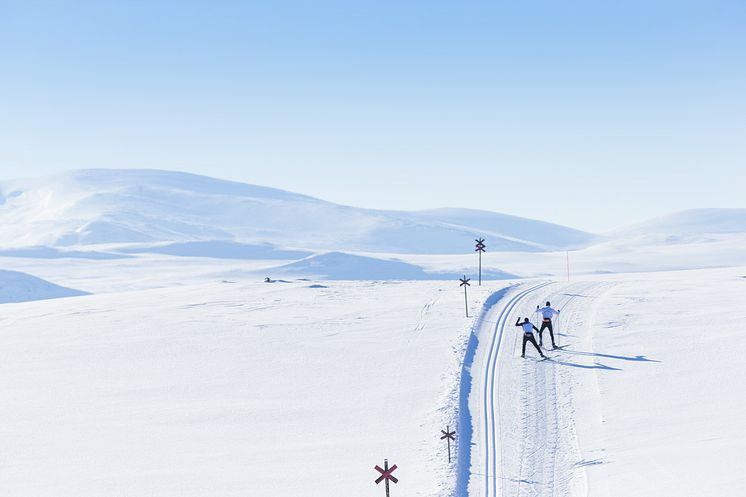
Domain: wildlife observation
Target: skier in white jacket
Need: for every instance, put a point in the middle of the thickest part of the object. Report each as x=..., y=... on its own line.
x=547, y=313
x=528, y=336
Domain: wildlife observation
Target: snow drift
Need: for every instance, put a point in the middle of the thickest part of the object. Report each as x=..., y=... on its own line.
x=21, y=287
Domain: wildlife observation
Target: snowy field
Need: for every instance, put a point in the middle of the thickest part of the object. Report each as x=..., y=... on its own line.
x=236, y=387
x=231, y=389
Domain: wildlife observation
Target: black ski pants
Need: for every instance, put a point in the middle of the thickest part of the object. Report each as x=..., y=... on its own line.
x=529, y=337
x=547, y=324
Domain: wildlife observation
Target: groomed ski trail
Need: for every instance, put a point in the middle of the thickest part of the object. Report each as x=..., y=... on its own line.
x=525, y=441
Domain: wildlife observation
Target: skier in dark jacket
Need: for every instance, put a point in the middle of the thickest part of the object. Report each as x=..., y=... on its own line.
x=528, y=336
x=547, y=313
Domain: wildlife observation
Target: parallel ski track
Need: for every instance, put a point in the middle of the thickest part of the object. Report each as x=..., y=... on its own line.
x=541, y=448
x=489, y=432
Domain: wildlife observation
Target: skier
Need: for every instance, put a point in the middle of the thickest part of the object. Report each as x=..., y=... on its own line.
x=547, y=313
x=528, y=336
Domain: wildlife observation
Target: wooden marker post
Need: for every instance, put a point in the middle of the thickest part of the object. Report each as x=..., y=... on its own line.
x=386, y=474
x=479, y=250
x=448, y=435
x=464, y=283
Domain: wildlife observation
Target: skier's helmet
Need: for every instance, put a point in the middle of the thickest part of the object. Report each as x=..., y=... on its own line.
x=525, y=320
x=548, y=304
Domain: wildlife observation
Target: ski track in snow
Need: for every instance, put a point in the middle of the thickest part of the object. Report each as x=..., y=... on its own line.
x=528, y=441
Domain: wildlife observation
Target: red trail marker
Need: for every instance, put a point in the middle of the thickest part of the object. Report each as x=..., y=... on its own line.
x=448, y=435
x=386, y=474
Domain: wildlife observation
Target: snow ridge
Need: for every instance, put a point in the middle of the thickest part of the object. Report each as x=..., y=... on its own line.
x=98, y=206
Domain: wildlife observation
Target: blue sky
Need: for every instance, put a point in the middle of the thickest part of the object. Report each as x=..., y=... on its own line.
x=589, y=114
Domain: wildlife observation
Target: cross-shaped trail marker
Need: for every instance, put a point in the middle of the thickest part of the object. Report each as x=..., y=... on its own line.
x=386, y=474
x=448, y=435
x=464, y=283
x=480, y=248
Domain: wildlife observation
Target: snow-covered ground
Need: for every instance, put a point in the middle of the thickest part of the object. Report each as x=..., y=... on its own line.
x=644, y=398
x=229, y=389
x=670, y=419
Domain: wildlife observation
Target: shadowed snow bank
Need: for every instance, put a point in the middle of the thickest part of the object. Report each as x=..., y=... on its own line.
x=21, y=287
x=342, y=266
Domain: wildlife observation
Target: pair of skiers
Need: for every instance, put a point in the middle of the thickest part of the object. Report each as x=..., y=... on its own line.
x=547, y=313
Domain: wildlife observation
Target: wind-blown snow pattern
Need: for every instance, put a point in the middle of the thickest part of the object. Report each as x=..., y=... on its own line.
x=219, y=249
x=42, y=252
x=149, y=206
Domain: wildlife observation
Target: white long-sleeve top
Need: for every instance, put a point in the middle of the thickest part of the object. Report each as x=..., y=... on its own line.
x=527, y=327
x=547, y=312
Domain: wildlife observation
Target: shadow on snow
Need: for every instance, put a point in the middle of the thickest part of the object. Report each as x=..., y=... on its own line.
x=638, y=358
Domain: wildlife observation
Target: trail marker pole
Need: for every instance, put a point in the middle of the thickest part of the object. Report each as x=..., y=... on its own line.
x=386, y=474
x=480, y=249
x=448, y=435
x=464, y=283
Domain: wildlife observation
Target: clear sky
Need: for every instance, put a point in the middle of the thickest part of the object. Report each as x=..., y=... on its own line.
x=591, y=114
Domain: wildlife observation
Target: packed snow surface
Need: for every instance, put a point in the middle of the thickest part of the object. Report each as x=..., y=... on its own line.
x=636, y=402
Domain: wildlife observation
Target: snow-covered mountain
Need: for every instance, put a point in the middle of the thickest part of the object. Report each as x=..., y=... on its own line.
x=96, y=206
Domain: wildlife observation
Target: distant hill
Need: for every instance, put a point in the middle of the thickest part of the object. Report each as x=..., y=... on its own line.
x=341, y=266
x=21, y=287
x=695, y=225
x=151, y=207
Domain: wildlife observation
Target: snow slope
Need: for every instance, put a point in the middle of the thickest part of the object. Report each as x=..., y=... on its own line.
x=218, y=249
x=21, y=287
x=86, y=207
